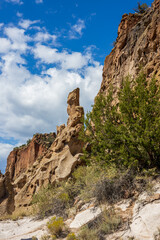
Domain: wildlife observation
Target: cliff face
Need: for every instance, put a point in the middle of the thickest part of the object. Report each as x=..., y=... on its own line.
x=137, y=45
x=21, y=158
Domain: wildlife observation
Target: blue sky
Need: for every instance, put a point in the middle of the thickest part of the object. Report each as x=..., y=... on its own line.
x=48, y=48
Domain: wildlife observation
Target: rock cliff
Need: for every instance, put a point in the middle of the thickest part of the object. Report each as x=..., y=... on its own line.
x=21, y=158
x=38, y=164
x=137, y=45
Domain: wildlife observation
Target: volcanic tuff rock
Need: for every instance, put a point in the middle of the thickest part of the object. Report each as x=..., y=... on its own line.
x=137, y=45
x=23, y=157
x=31, y=167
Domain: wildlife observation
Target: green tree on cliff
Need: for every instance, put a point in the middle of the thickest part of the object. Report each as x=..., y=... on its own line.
x=126, y=133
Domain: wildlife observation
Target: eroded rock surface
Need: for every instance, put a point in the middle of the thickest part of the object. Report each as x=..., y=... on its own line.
x=137, y=45
x=21, y=158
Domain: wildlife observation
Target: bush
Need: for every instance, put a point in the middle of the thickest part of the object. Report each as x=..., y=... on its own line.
x=126, y=133
x=55, y=226
x=141, y=8
x=45, y=237
x=28, y=141
x=71, y=236
x=107, y=223
x=34, y=238
x=88, y=234
x=114, y=189
x=56, y=200
x=51, y=200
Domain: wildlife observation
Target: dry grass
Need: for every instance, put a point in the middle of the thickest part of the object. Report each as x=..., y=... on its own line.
x=17, y=214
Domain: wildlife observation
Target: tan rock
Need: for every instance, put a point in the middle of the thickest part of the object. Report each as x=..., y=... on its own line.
x=137, y=45
x=21, y=158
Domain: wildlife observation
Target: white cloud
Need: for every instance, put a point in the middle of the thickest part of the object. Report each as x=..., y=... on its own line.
x=5, y=45
x=44, y=37
x=74, y=60
x=76, y=30
x=19, y=14
x=4, y=152
x=26, y=23
x=18, y=38
x=15, y=1
x=38, y=1
x=31, y=102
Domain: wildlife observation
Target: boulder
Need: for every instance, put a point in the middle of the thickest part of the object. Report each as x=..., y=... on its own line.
x=85, y=217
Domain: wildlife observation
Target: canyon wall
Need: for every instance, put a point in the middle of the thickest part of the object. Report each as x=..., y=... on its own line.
x=137, y=46
x=23, y=157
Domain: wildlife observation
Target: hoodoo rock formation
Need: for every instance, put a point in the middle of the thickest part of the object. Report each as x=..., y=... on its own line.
x=35, y=165
x=137, y=45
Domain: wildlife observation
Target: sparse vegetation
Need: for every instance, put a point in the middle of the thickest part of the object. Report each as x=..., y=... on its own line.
x=34, y=238
x=71, y=236
x=107, y=223
x=18, y=214
x=28, y=141
x=45, y=139
x=141, y=8
x=56, y=202
x=45, y=237
x=20, y=147
x=87, y=183
x=157, y=235
x=55, y=226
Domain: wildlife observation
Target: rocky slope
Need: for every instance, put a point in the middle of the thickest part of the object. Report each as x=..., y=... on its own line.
x=33, y=166
x=137, y=45
x=141, y=217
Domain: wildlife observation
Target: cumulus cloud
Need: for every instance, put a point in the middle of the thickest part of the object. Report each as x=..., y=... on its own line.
x=5, y=45
x=74, y=60
x=18, y=38
x=35, y=101
x=76, y=30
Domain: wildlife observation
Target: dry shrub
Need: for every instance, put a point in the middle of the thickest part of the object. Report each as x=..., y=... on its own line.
x=55, y=226
x=108, y=222
x=116, y=188
x=51, y=201
x=71, y=236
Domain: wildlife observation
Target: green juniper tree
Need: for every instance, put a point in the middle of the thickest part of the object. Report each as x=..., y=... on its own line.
x=127, y=133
